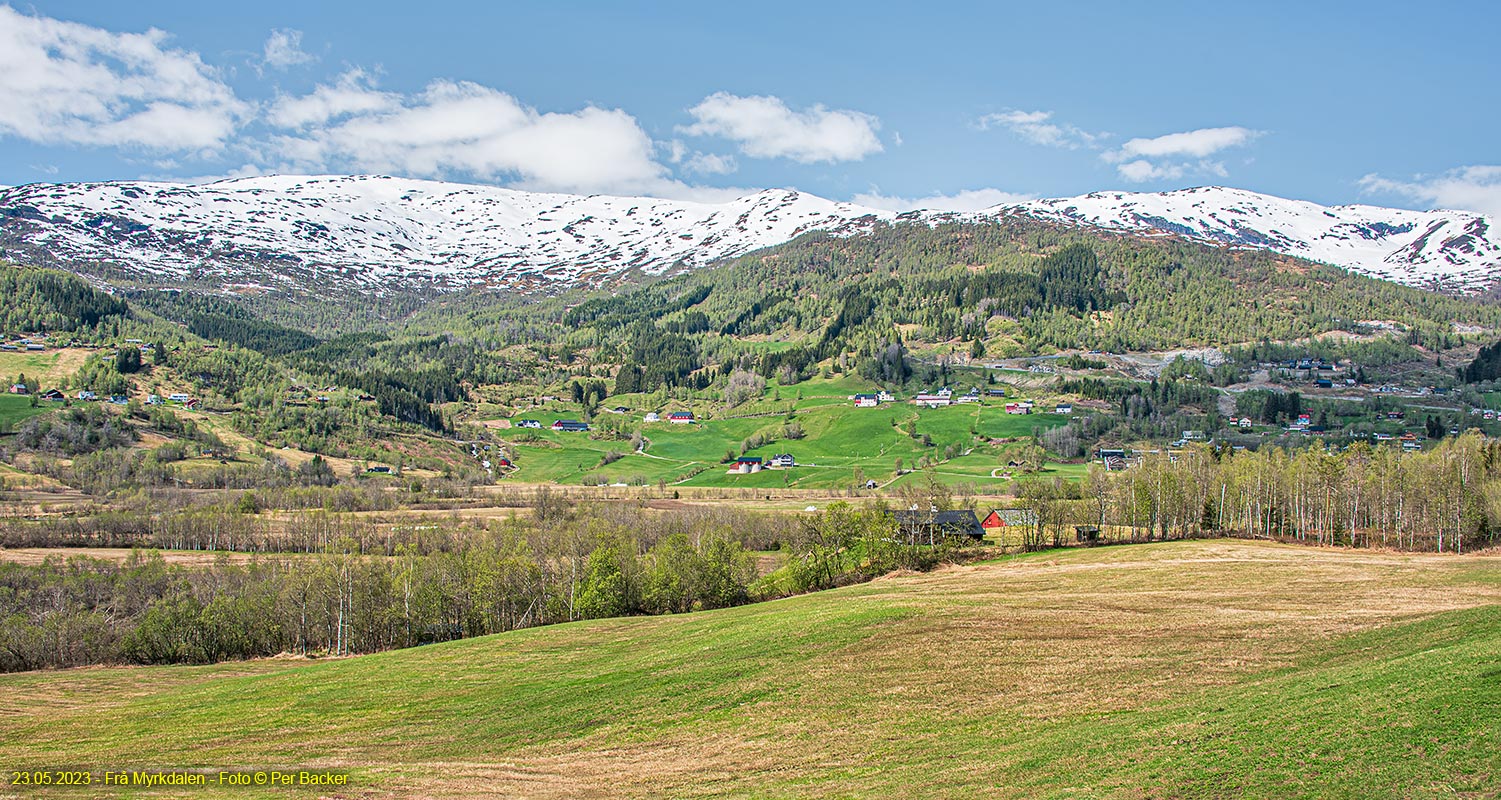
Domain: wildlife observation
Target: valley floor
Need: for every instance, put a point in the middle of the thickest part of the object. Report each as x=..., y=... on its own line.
x=1182, y=669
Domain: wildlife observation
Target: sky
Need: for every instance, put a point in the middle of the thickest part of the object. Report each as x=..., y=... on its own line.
x=939, y=105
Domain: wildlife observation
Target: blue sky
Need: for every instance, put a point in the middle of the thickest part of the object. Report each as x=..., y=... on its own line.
x=949, y=105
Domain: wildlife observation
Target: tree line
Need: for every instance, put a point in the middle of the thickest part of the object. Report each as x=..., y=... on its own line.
x=1447, y=499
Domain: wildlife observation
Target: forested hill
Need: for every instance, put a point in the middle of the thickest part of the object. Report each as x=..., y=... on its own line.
x=1012, y=287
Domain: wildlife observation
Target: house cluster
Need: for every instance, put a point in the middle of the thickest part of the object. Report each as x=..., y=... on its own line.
x=938, y=399
x=176, y=398
x=871, y=400
x=1484, y=413
x=1409, y=441
x=1019, y=407
x=34, y=344
x=1244, y=423
x=745, y=465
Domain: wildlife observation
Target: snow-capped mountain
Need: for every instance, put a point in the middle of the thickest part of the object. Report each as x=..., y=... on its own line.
x=1449, y=250
x=370, y=232
x=373, y=230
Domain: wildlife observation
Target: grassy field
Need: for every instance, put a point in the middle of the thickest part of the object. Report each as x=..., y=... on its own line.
x=48, y=366
x=1189, y=669
x=838, y=439
x=16, y=407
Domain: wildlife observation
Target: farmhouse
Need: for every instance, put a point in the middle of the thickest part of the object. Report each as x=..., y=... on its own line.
x=652, y=416
x=19, y=388
x=680, y=417
x=782, y=461
x=866, y=401
x=995, y=392
x=884, y=396
x=1018, y=408
x=932, y=526
x=747, y=464
x=54, y=396
x=1008, y=517
x=931, y=400
x=179, y=397
x=529, y=423
x=569, y=425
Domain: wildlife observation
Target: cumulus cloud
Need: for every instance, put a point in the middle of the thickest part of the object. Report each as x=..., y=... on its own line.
x=765, y=127
x=468, y=129
x=353, y=93
x=284, y=49
x=1038, y=127
x=1174, y=155
x=694, y=161
x=966, y=200
x=1473, y=188
x=64, y=82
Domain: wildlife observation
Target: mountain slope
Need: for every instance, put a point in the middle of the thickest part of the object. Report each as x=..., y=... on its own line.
x=1449, y=250
x=372, y=233
x=375, y=230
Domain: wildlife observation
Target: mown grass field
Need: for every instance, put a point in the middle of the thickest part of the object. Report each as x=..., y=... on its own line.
x=1190, y=669
x=838, y=440
x=15, y=408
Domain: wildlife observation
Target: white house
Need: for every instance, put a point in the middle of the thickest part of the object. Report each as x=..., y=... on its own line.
x=652, y=416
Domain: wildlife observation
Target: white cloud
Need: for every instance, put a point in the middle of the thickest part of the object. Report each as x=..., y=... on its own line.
x=1472, y=188
x=1037, y=128
x=764, y=127
x=353, y=93
x=710, y=164
x=68, y=83
x=472, y=130
x=1188, y=144
x=966, y=200
x=1174, y=155
x=284, y=49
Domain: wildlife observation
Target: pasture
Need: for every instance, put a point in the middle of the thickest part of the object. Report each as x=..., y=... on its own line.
x=1185, y=669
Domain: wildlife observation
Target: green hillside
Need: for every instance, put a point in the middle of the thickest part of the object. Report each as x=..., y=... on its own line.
x=1189, y=669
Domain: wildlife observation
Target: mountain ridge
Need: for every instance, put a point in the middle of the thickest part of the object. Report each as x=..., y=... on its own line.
x=375, y=233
